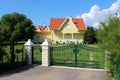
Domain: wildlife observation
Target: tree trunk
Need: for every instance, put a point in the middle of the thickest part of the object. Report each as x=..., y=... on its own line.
x=12, y=51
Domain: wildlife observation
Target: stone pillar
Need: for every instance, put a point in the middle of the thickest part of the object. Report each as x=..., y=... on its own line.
x=45, y=53
x=28, y=50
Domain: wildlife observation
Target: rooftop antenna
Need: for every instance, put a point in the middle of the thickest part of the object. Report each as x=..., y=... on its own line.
x=44, y=24
x=70, y=17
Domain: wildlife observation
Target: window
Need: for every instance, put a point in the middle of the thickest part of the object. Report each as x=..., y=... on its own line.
x=57, y=36
x=75, y=36
x=68, y=26
x=68, y=36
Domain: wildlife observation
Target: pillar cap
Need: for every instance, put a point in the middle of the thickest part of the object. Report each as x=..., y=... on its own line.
x=45, y=43
x=29, y=43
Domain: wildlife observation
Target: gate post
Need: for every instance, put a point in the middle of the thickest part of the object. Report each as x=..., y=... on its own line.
x=76, y=51
x=45, y=53
x=28, y=50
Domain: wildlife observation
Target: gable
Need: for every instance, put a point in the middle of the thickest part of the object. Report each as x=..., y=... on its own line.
x=37, y=29
x=69, y=27
x=47, y=28
x=57, y=23
x=42, y=29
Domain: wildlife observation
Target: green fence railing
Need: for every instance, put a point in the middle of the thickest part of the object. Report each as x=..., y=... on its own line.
x=19, y=52
x=37, y=54
x=78, y=55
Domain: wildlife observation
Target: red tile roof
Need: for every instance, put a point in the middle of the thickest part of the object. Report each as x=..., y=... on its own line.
x=55, y=23
x=79, y=23
x=42, y=29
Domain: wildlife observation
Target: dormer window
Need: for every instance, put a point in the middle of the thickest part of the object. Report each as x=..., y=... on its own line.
x=68, y=26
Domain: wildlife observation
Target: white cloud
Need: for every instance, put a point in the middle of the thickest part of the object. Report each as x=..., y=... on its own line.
x=96, y=14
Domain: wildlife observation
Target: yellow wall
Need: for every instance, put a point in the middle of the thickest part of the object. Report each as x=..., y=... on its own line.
x=64, y=30
x=72, y=29
x=43, y=36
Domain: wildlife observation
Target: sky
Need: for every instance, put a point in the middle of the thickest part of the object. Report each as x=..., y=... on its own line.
x=41, y=11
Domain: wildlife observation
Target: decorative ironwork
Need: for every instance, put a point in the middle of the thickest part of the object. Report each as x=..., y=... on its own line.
x=37, y=54
x=77, y=55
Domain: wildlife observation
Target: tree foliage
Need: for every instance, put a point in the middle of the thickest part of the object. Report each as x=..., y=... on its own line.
x=16, y=27
x=109, y=39
x=13, y=28
x=89, y=36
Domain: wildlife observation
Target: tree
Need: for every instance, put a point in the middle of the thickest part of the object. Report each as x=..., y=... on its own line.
x=109, y=40
x=2, y=51
x=89, y=36
x=15, y=27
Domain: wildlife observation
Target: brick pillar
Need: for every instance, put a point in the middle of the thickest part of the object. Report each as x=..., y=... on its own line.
x=28, y=50
x=45, y=53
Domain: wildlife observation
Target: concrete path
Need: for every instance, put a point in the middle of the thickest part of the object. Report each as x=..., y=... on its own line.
x=54, y=73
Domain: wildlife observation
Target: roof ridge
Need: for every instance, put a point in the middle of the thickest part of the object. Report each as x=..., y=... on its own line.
x=56, y=23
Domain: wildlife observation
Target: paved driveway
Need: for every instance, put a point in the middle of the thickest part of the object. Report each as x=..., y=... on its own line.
x=54, y=73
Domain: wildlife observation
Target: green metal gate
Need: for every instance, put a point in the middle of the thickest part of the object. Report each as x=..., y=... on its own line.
x=37, y=54
x=78, y=55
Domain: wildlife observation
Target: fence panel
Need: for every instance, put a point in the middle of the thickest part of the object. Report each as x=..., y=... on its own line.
x=90, y=57
x=19, y=52
x=37, y=54
x=77, y=55
x=62, y=55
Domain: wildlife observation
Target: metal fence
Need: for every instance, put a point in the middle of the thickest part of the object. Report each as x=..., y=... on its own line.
x=37, y=54
x=19, y=53
x=77, y=55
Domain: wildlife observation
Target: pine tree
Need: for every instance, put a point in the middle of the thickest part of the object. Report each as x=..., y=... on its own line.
x=109, y=40
x=89, y=36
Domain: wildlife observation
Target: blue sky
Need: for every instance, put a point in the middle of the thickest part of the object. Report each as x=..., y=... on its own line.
x=41, y=11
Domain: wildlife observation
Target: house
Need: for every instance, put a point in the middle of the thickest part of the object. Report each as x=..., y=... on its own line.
x=62, y=30
x=41, y=33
